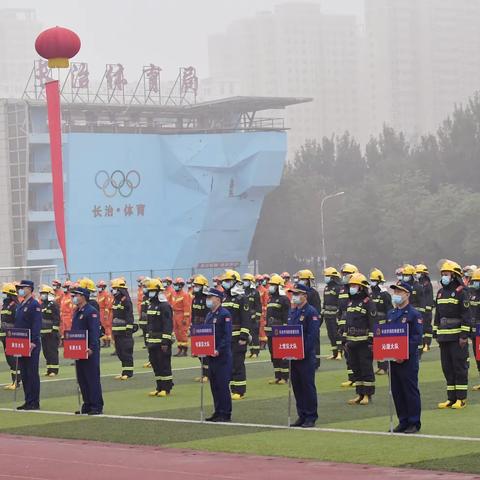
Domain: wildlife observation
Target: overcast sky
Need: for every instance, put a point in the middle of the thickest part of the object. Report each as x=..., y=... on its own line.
x=168, y=33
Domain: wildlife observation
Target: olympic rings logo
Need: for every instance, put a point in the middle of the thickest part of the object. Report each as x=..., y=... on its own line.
x=117, y=182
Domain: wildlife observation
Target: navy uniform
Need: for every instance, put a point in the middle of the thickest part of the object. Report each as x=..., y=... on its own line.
x=278, y=308
x=221, y=365
x=9, y=306
x=383, y=304
x=417, y=298
x=29, y=315
x=159, y=341
x=404, y=375
x=330, y=315
x=313, y=299
x=303, y=371
x=239, y=307
x=452, y=325
x=429, y=301
x=199, y=313
x=142, y=321
x=343, y=299
x=358, y=339
x=88, y=370
x=475, y=310
x=256, y=312
x=50, y=336
x=122, y=330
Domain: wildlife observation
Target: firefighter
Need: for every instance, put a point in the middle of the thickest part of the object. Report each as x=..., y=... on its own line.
x=105, y=303
x=277, y=314
x=303, y=371
x=452, y=325
x=159, y=338
x=9, y=306
x=467, y=274
x=475, y=310
x=169, y=291
x=89, y=284
x=66, y=308
x=182, y=309
x=57, y=288
x=404, y=373
x=217, y=283
x=189, y=285
x=256, y=311
x=142, y=313
x=399, y=274
x=358, y=338
x=239, y=307
x=220, y=364
x=263, y=292
x=330, y=310
x=29, y=315
x=199, y=313
x=383, y=304
x=140, y=280
x=123, y=327
x=346, y=271
x=422, y=276
x=306, y=278
x=50, y=332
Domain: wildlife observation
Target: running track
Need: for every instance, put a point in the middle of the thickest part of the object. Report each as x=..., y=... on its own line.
x=33, y=458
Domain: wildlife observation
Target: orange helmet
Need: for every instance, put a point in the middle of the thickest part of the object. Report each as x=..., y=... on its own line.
x=141, y=278
x=56, y=283
x=68, y=284
x=101, y=283
x=179, y=280
x=258, y=278
x=167, y=279
x=285, y=275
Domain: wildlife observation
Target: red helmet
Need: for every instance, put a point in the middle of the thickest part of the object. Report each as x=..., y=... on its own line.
x=258, y=278
x=101, y=283
x=179, y=280
x=56, y=283
x=285, y=275
x=167, y=279
x=68, y=284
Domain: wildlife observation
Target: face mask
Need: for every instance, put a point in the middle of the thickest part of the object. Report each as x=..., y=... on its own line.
x=65, y=290
x=476, y=284
x=209, y=303
x=227, y=285
x=272, y=288
x=264, y=283
x=407, y=278
x=152, y=294
x=327, y=279
x=75, y=300
x=114, y=291
x=353, y=290
x=145, y=291
x=302, y=282
x=21, y=292
x=397, y=299
x=189, y=285
x=176, y=288
x=101, y=289
x=418, y=276
x=374, y=284
x=295, y=279
x=297, y=299
x=345, y=279
x=399, y=277
x=197, y=289
x=445, y=280
x=50, y=297
x=247, y=284
x=44, y=297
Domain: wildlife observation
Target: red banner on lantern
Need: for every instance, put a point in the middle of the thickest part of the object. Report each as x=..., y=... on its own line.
x=17, y=342
x=390, y=342
x=202, y=340
x=55, y=131
x=75, y=344
x=287, y=342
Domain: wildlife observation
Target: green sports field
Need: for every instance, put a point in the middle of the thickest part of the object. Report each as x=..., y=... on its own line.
x=265, y=405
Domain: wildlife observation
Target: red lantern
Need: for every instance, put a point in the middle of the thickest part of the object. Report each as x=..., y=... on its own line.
x=57, y=45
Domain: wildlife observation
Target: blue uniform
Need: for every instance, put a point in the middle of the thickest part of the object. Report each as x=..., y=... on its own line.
x=88, y=371
x=29, y=315
x=303, y=371
x=404, y=376
x=220, y=367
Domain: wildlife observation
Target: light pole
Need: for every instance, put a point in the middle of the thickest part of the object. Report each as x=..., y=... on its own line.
x=324, y=253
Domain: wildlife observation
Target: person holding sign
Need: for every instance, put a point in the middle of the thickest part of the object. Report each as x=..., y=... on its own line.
x=404, y=373
x=29, y=315
x=303, y=371
x=159, y=337
x=86, y=317
x=220, y=365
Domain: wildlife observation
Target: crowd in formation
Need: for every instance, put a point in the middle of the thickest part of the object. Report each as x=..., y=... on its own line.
x=245, y=309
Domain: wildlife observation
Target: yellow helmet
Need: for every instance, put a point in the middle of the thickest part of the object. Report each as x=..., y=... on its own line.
x=468, y=270
x=9, y=289
x=376, y=275
x=358, y=278
x=230, y=275
x=144, y=281
x=87, y=283
x=276, y=280
x=331, y=272
x=408, y=269
x=306, y=275
x=421, y=268
x=46, y=289
x=200, y=280
x=118, y=283
x=450, y=266
x=476, y=275
x=154, y=284
x=248, y=277
x=349, y=268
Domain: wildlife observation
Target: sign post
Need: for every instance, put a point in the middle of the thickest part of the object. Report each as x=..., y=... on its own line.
x=287, y=344
x=202, y=345
x=17, y=344
x=390, y=343
x=75, y=347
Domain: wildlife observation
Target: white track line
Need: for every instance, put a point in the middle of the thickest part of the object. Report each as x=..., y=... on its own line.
x=254, y=425
x=147, y=370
